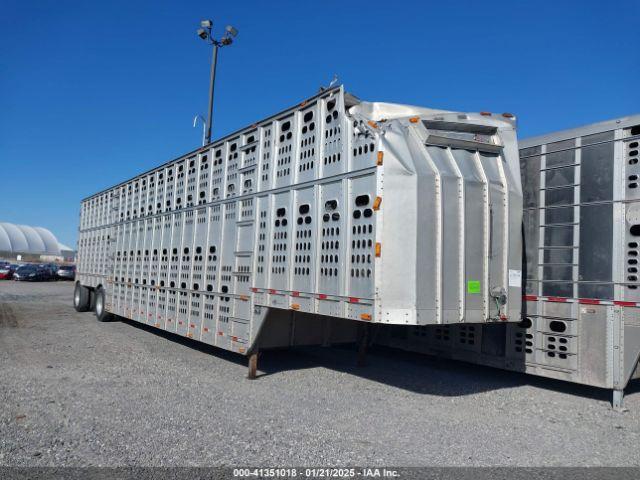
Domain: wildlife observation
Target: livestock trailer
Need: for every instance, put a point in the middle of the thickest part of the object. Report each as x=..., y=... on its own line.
x=581, y=317
x=303, y=226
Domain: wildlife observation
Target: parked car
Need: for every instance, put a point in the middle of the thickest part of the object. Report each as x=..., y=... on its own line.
x=6, y=271
x=67, y=272
x=52, y=268
x=31, y=273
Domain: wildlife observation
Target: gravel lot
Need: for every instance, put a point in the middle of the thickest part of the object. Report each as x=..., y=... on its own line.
x=77, y=392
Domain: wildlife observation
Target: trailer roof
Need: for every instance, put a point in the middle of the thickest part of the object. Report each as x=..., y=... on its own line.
x=607, y=125
x=349, y=100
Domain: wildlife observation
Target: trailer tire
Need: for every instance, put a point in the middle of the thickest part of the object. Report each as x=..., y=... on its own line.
x=100, y=306
x=81, y=298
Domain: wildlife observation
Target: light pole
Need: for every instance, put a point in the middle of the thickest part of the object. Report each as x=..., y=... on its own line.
x=205, y=34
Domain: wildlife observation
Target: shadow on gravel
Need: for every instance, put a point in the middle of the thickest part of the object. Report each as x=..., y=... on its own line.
x=194, y=344
x=410, y=371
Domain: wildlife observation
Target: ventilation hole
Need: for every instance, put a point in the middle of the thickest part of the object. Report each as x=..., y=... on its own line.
x=632, y=278
x=633, y=145
x=633, y=185
x=633, y=245
x=357, y=214
x=635, y=130
x=368, y=212
x=557, y=326
x=633, y=178
x=632, y=261
x=362, y=200
x=331, y=205
x=635, y=230
x=632, y=270
x=633, y=161
x=304, y=209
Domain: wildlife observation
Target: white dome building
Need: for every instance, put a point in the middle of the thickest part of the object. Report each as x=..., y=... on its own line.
x=30, y=241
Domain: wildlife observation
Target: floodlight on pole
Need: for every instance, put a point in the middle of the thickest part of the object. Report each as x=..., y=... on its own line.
x=205, y=33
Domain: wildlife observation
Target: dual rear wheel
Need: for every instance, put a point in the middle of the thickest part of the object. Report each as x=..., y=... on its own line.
x=84, y=300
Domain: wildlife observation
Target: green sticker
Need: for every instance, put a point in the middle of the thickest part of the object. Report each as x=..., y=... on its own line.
x=473, y=286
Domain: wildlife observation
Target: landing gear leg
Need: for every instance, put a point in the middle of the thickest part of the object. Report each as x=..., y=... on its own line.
x=617, y=401
x=253, y=366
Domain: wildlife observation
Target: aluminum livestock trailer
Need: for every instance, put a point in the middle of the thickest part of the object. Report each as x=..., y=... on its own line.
x=581, y=315
x=297, y=229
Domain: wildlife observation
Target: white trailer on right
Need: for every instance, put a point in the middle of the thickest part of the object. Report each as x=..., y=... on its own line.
x=581, y=227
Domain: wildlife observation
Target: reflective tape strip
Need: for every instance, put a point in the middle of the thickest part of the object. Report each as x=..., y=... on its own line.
x=584, y=301
x=558, y=299
x=589, y=301
x=625, y=304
